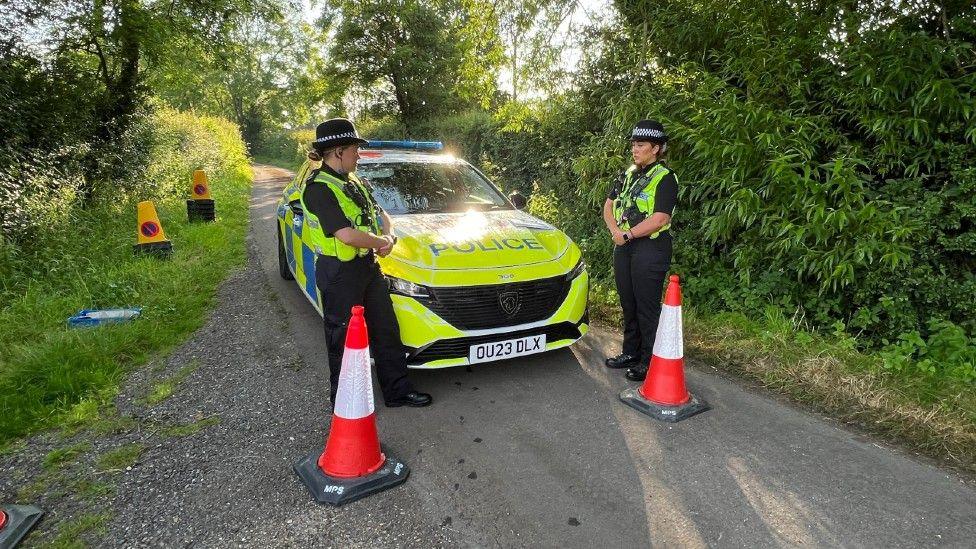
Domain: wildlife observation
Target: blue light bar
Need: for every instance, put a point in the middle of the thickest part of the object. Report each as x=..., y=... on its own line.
x=408, y=145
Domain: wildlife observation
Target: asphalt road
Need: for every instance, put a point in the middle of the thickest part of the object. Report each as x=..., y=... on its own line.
x=538, y=451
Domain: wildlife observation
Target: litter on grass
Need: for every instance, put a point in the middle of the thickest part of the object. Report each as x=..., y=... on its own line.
x=97, y=317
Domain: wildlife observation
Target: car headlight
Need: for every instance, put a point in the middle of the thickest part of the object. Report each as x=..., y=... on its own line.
x=407, y=288
x=577, y=270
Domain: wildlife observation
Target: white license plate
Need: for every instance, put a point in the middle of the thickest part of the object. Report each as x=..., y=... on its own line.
x=484, y=352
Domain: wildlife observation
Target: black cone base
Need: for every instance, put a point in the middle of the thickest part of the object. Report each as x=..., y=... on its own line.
x=156, y=249
x=339, y=491
x=20, y=520
x=201, y=210
x=673, y=414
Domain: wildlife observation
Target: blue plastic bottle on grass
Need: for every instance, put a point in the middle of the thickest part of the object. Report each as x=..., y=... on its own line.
x=97, y=317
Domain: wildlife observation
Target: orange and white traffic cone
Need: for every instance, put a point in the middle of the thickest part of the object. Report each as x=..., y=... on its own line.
x=150, y=238
x=15, y=522
x=353, y=465
x=200, y=206
x=664, y=395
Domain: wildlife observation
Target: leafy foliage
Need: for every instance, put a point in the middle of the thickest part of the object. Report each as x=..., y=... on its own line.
x=533, y=44
x=825, y=156
x=825, y=160
x=264, y=75
x=415, y=49
x=74, y=80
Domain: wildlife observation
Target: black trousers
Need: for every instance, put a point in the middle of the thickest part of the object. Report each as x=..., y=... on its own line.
x=343, y=284
x=639, y=269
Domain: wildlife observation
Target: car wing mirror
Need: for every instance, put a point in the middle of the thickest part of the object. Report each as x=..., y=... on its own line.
x=518, y=200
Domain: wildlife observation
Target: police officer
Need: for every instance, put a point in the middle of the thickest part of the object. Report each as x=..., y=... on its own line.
x=349, y=230
x=638, y=214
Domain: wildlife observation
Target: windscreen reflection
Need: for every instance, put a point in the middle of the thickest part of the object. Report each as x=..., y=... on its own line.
x=409, y=188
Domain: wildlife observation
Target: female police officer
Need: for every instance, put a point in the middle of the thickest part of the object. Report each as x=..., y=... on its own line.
x=638, y=213
x=348, y=230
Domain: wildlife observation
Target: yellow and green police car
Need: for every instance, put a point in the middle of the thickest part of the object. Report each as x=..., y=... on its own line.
x=473, y=279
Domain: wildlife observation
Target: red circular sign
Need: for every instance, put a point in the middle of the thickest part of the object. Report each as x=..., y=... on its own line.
x=3, y=519
x=199, y=188
x=149, y=229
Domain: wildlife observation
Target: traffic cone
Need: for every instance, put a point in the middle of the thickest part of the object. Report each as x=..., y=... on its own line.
x=664, y=395
x=200, y=206
x=353, y=465
x=15, y=522
x=150, y=238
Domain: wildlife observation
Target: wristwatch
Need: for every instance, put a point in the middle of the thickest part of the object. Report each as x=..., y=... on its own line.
x=626, y=236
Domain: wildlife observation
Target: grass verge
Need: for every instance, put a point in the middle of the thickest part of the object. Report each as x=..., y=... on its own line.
x=50, y=372
x=70, y=533
x=56, y=458
x=165, y=388
x=191, y=428
x=930, y=415
x=120, y=458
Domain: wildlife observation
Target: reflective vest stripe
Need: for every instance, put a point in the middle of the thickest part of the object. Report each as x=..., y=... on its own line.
x=364, y=220
x=633, y=197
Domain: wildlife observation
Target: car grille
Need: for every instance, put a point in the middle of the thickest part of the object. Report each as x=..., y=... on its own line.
x=498, y=305
x=458, y=348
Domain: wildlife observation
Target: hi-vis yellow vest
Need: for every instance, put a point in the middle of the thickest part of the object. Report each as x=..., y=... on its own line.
x=361, y=215
x=637, y=196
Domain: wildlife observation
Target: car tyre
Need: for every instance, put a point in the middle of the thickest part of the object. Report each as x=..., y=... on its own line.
x=282, y=258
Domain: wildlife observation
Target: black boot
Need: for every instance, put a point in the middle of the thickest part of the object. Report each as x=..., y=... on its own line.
x=413, y=398
x=622, y=360
x=637, y=373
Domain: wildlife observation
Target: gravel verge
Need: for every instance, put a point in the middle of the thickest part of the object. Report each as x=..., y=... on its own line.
x=200, y=449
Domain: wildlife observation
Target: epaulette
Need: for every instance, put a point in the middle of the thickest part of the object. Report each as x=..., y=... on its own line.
x=312, y=175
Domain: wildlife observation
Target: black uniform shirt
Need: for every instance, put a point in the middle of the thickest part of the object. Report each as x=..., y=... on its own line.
x=666, y=195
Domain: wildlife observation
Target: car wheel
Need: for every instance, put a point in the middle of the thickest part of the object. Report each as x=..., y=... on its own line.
x=282, y=258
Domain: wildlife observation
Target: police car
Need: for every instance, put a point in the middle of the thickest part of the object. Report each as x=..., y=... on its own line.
x=472, y=278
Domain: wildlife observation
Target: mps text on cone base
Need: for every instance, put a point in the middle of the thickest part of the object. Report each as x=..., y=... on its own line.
x=353, y=465
x=664, y=395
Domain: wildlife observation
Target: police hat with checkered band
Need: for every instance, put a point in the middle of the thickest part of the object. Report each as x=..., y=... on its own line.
x=649, y=130
x=336, y=132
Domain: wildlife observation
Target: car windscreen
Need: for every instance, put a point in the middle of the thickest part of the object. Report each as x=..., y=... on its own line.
x=431, y=187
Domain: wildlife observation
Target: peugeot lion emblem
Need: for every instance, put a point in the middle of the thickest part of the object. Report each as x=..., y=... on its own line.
x=510, y=302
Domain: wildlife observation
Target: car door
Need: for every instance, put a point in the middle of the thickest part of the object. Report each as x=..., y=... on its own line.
x=294, y=217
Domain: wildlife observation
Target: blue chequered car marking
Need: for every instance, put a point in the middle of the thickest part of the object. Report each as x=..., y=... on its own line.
x=308, y=265
x=290, y=247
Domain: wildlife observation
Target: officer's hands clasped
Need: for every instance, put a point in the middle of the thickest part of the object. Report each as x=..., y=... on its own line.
x=618, y=237
x=386, y=250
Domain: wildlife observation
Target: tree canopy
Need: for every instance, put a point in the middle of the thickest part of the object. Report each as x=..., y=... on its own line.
x=826, y=147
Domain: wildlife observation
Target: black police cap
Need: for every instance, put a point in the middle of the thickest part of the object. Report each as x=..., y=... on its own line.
x=649, y=130
x=336, y=132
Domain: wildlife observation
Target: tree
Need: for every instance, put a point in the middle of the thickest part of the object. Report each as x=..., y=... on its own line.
x=530, y=33
x=415, y=49
x=475, y=23
x=107, y=47
x=260, y=75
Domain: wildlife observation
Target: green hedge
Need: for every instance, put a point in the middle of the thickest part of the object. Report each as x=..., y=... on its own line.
x=81, y=257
